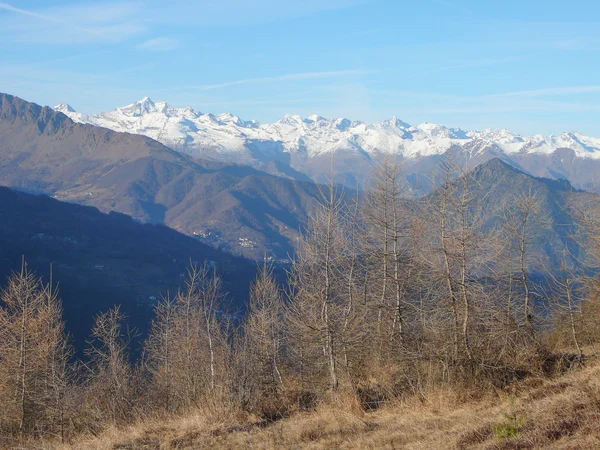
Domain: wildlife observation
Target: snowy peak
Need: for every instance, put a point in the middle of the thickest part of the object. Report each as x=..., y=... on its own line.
x=395, y=123
x=139, y=108
x=224, y=136
x=228, y=118
x=314, y=118
x=291, y=119
x=342, y=124
x=64, y=108
x=576, y=138
x=440, y=131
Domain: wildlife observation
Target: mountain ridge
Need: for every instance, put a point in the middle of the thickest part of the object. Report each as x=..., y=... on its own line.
x=44, y=151
x=586, y=146
x=311, y=146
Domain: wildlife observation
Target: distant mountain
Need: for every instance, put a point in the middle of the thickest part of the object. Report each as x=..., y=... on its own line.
x=306, y=145
x=495, y=184
x=99, y=260
x=234, y=207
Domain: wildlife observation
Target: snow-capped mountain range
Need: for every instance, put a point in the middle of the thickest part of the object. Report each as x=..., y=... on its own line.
x=297, y=141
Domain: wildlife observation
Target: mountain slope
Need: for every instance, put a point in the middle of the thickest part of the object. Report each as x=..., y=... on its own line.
x=494, y=186
x=306, y=145
x=42, y=150
x=103, y=259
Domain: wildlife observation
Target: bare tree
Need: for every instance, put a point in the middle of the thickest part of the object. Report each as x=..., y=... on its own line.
x=319, y=300
x=586, y=213
x=187, y=352
x=159, y=351
x=456, y=264
x=263, y=343
x=59, y=370
x=387, y=221
x=523, y=225
x=565, y=296
x=34, y=355
x=110, y=373
x=355, y=275
x=452, y=208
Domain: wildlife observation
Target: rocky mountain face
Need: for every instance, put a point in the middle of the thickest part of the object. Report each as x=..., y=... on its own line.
x=302, y=148
x=237, y=208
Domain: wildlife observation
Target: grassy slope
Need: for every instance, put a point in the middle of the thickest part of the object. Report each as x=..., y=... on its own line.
x=560, y=413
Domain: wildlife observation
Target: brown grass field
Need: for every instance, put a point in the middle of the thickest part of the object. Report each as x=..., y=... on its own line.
x=559, y=413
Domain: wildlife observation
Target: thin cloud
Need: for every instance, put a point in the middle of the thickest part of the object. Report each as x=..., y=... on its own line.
x=568, y=90
x=472, y=64
x=51, y=62
x=532, y=93
x=160, y=44
x=236, y=12
x=578, y=44
x=279, y=78
x=532, y=101
x=44, y=17
x=526, y=107
x=73, y=24
x=136, y=68
x=12, y=8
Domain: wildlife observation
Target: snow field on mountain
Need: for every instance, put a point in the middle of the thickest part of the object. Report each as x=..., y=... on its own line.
x=194, y=133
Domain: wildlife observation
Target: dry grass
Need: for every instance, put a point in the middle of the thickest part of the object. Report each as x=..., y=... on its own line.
x=563, y=413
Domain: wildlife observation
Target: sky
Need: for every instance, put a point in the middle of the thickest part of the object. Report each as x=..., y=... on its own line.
x=531, y=66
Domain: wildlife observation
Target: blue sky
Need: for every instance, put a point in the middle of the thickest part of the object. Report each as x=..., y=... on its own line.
x=531, y=66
